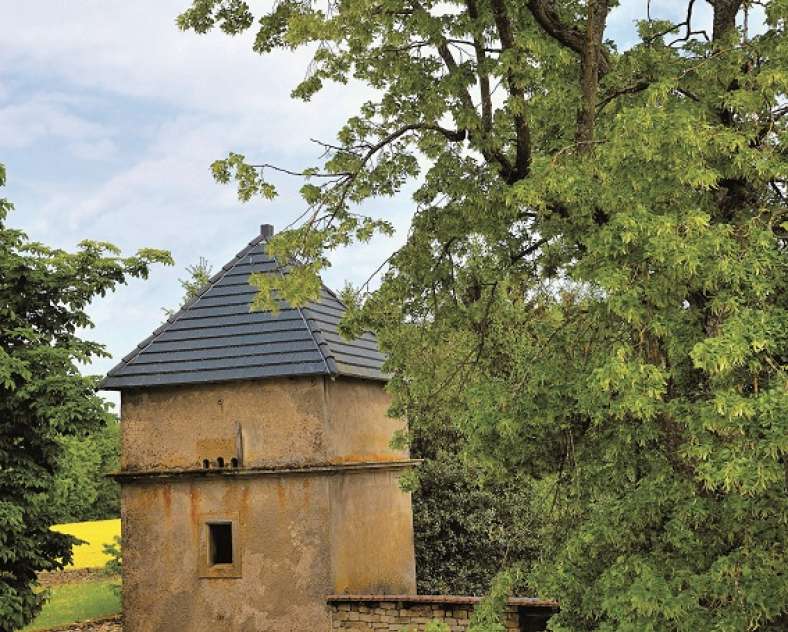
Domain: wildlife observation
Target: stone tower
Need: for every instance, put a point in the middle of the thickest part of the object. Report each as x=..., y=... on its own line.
x=256, y=471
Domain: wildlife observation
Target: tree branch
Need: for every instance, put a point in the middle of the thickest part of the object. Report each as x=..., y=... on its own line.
x=638, y=87
x=492, y=155
x=590, y=59
x=686, y=23
x=481, y=70
x=547, y=17
x=522, y=162
x=529, y=250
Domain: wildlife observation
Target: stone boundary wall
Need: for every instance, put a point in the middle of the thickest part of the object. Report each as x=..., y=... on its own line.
x=106, y=624
x=47, y=579
x=411, y=613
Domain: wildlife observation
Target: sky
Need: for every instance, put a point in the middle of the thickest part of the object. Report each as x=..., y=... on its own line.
x=109, y=120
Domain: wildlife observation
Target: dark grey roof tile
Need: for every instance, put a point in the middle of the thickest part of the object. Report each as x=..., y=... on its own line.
x=227, y=362
x=226, y=375
x=154, y=355
x=252, y=328
x=229, y=341
x=215, y=337
x=352, y=370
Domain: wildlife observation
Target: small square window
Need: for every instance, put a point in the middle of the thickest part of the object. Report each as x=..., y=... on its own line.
x=220, y=546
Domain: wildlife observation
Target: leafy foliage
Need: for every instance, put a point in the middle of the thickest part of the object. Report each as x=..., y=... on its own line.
x=199, y=274
x=82, y=489
x=114, y=565
x=488, y=616
x=467, y=526
x=43, y=398
x=593, y=289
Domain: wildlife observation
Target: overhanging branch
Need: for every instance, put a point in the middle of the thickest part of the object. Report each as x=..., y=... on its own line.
x=547, y=17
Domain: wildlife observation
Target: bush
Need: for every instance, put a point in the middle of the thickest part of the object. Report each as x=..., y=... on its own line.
x=114, y=564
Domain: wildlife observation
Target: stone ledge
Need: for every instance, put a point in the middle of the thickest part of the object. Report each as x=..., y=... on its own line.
x=439, y=599
x=276, y=470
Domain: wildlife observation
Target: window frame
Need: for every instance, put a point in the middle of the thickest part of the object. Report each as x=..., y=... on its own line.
x=205, y=568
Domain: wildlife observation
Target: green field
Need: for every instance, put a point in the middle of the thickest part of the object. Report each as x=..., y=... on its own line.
x=96, y=533
x=84, y=599
x=78, y=601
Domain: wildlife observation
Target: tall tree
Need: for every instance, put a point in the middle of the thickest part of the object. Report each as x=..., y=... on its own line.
x=594, y=284
x=82, y=489
x=199, y=274
x=44, y=293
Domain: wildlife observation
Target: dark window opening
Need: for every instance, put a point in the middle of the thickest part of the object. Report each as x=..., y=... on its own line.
x=220, y=461
x=234, y=462
x=221, y=543
x=206, y=464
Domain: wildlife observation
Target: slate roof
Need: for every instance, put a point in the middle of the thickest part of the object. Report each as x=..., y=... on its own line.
x=216, y=338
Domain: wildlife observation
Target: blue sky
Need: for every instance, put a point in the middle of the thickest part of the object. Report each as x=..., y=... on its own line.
x=110, y=118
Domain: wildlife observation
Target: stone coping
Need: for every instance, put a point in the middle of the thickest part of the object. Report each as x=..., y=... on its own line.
x=268, y=470
x=112, y=623
x=71, y=575
x=532, y=602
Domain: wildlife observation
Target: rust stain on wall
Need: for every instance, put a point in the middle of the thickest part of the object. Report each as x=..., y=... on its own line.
x=166, y=497
x=281, y=495
x=194, y=504
x=244, y=505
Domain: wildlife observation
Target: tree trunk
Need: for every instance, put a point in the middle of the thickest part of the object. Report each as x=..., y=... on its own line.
x=724, y=17
x=589, y=71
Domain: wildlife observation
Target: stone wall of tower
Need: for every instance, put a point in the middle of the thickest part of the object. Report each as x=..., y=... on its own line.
x=277, y=422
x=314, y=502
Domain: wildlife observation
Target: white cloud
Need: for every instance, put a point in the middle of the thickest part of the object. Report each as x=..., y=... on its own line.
x=93, y=150
x=22, y=124
x=135, y=49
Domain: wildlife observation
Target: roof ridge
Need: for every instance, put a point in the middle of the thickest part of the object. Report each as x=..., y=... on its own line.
x=322, y=343
x=334, y=295
x=317, y=337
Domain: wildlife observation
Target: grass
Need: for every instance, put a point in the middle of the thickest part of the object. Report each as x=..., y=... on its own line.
x=96, y=533
x=78, y=601
x=83, y=599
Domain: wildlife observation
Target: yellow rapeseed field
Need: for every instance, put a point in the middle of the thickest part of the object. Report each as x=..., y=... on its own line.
x=96, y=533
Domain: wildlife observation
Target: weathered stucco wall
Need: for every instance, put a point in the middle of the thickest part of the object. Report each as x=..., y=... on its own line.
x=371, y=534
x=281, y=422
x=357, y=426
x=285, y=421
x=301, y=534
x=284, y=550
